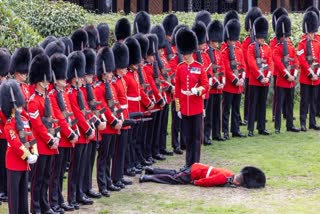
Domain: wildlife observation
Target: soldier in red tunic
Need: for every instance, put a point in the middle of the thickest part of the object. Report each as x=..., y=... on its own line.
x=203, y=175
x=22, y=149
x=191, y=84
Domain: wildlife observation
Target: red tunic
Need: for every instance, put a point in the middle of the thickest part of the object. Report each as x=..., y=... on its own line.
x=25, y=89
x=245, y=44
x=167, y=66
x=206, y=65
x=217, y=80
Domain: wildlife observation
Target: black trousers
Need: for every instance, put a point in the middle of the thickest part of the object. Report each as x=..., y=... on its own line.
x=145, y=129
x=59, y=164
x=231, y=101
x=176, y=141
x=308, y=96
x=257, y=107
x=130, y=156
x=76, y=172
x=119, y=155
x=3, y=170
x=139, y=154
x=17, y=192
x=318, y=102
x=191, y=129
x=149, y=136
x=246, y=99
x=212, y=121
x=104, y=161
x=163, y=128
x=170, y=176
x=284, y=95
x=91, y=154
x=156, y=133
x=40, y=184
x=208, y=119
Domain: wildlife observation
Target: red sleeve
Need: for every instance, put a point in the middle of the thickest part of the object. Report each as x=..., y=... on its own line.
x=302, y=57
x=228, y=71
x=100, y=93
x=204, y=81
x=178, y=85
x=214, y=180
x=153, y=86
x=253, y=68
x=144, y=98
x=277, y=58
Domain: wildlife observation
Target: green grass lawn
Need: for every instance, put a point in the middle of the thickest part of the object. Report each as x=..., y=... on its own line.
x=290, y=161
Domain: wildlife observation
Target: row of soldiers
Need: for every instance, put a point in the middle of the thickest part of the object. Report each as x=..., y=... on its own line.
x=81, y=93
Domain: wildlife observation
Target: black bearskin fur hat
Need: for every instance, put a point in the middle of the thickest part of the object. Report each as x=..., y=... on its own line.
x=122, y=29
x=276, y=15
x=201, y=32
x=310, y=22
x=93, y=36
x=144, y=43
x=153, y=44
x=91, y=59
x=121, y=55
x=76, y=62
x=314, y=9
x=231, y=14
x=161, y=34
x=36, y=51
x=253, y=177
x=79, y=39
x=253, y=14
x=141, y=23
x=186, y=41
x=68, y=45
x=134, y=50
x=232, y=30
x=47, y=41
x=261, y=27
x=59, y=66
x=169, y=23
x=5, y=59
x=40, y=66
x=55, y=47
x=105, y=61
x=283, y=21
x=20, y=61
x=203, y=16
x=6, y=99
x=175, y=30
x=104, y=31
x=215, y=31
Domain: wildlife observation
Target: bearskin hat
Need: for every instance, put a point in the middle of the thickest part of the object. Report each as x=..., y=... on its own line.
x=105, y=61
x=59, y=65
x=91, y=59
x=253, y=177
x=141, y=23
x=40, y=68
x=203, y=16
x=122, y=29
x=232, y=30
x=36, y=51
x=144, y=43
x=314, y=9
x=175, y=30
x=253, y=14
x=134, y=50
x=93, y=36
x=20, y=61
x=169, y=23
x=153, y=44
x=261, y=27
x=186, y=41
x=47, y=41
x=121, y=55
x=76, y=62
x=201, y=32
x=310, y=22
x=6, y=98
x=161, y=34
x=276, y=15
x=103, y=29
x=55, y=47
x=283, y=23
x=79, y=39
x=231, y=14
x=215, y=31
x=68, y=45
x=5, y=59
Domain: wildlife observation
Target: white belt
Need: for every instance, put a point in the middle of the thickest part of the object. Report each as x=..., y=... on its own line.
x=209, y=171
x=124, y=106
x=134, y=98
x=187, y=93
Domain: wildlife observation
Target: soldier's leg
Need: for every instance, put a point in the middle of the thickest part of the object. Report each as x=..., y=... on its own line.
x=80, y=180
x=13, y=182
x=23, y=193
x=101, y=161
x=3, y=170
x=254, y=96
x=261, y=107
x=313, y=105
x=44, y=202
x=54, y=187
x=156, y=134
x=163, y=130
x=289, y=107
x=196, y=122
x=119, y=156
x=216, y=116
x=274, y=101
x=226, y=104
x=174, y=127
x=183, y=177
x=208, y=126
x=186, y=130
x=304, y=104
x=246, y=99
x=73, y=173
x=280, y=98
x=235, y=123
x=110, y=155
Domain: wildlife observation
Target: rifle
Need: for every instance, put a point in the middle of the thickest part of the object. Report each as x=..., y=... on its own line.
x=252, y=36
x=233, y=63
x=215, y=67
x=47, y=119
x=164, y=71
x=309, y=57
x=198, y=55
x=142, y=82
x=62, y=105
x=92, y=102
x=262, y=67
x=19, y=124
x=169, y=51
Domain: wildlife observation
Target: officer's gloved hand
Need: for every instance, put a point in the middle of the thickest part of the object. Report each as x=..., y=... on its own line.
x=32, y=159
x=204, y=113
x=195, y=91
x=179, y=114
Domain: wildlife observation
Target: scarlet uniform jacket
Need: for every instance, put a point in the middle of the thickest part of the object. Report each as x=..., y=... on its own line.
x=16, y=152
x=231, y=77
x=187, y=77
x=84, y=126
x=266, y=56
x=3, y=120
x=272, y=43
x=25, y=89
x=206, y=65
x=66, y=131
x=304, y=66
x=148, y=88
x=135, y=93
x=216, y=80
x=208, y=176
x=100, y=92
x=40, y=132
x=167, y=65
x=279, y=67
x=120, y=87
x=245, y=44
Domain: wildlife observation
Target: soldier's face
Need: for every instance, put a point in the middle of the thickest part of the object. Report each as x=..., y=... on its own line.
x=310, y=35
x=233, y=43
x=150, y=58
x=108, y=76
x=61, y=83
x=202, y=46
x=261, y=41
x=214, y=44
x=89, y=78
x=20, y=77
x=122, y=71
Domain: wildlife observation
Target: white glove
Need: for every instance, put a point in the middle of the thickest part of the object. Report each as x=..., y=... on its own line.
x=204, y=113
x=194, y=91
x=179, y=114
x=210, y=81
x=32, y=159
